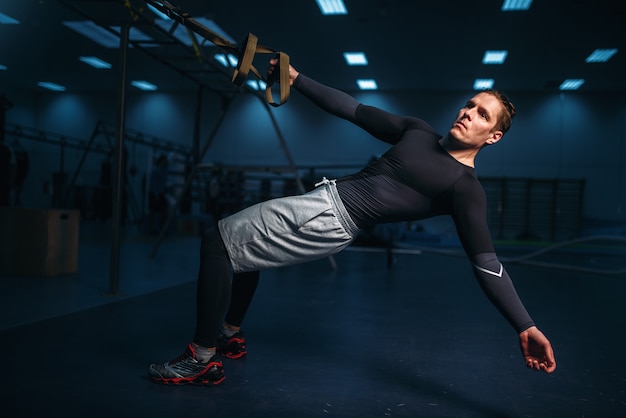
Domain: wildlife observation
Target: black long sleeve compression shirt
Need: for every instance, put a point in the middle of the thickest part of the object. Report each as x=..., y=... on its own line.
x=416, y=179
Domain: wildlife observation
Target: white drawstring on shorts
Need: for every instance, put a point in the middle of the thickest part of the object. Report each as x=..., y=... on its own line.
x=325, y=181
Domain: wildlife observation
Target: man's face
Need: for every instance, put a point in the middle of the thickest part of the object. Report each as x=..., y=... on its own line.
x=475, y=124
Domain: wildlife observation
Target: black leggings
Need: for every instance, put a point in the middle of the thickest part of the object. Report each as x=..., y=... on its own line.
x=217, y=286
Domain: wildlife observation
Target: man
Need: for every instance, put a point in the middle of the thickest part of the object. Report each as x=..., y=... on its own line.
x=423, y=174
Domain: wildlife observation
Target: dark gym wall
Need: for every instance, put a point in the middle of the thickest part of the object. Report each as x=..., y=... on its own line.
x=564, y=135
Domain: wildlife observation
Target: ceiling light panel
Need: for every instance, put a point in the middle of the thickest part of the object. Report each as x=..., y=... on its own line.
x=332, y=7
x=94, y=32
x=182, y=34
x=227, y=60
x=256, y=84
x=221, y=58
x=572, y=84
x=134, y=34
x=158, y=13
x=143, y=85
x=51, y=86
x=96, y=62
x=513, y=5
x=104, y=37
x=601, y=55
x=494, y=57
x=8, y=20
x=355, y=58
x=367, y=84
x=253, y=84
x=483, y=83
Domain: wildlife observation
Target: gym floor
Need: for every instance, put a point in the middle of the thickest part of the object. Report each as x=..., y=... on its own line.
x=360, y=340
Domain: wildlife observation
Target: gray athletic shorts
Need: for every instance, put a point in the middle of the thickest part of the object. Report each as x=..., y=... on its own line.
x=288, y=230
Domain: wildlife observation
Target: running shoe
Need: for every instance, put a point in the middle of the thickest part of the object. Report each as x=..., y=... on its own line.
x=186, y=369
x=232, y=347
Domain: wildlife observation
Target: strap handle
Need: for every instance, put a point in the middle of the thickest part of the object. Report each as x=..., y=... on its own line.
x=283, y=81
x=245, y=54
x=244, y=66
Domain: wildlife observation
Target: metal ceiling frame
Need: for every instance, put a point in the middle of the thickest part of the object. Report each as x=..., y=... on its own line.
x=193, y=64
x=141, y=17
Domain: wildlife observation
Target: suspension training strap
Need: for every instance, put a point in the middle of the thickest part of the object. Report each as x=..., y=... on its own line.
x=245, y=54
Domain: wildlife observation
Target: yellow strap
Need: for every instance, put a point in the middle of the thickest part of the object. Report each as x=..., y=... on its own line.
x=283, y=81
x=245, y=54
x=244, y=62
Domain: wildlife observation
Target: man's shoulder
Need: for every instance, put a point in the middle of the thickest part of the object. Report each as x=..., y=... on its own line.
x=468, y=184
x=422, y=125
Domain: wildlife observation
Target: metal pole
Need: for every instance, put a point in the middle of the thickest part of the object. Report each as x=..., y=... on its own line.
x=59, y=194
x=292, y=164
x=4, y=106
x=196, y=129
x=224, y=110
x=86, y=152
x=119, y=165
x=283, y=145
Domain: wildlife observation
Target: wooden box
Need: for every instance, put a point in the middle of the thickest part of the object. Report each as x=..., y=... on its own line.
x=38, y=242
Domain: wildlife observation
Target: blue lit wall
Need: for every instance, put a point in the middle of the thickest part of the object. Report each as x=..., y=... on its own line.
x=573, y=135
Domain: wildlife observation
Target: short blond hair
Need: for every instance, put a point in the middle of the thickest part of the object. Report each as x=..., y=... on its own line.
x=508, y=110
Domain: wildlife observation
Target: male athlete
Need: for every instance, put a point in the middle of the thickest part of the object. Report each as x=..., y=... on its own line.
x=422, y=174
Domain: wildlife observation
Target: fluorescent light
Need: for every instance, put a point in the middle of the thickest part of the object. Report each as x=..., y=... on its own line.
x=3, y=67
x=102, y=36
x=182, y=34
x=143, y=85
x=332, y=7
x=572, y=84
x=179, y=32
x=8, y=20
x=214, y=27
x=256, y=84
x=355, y=58
x=601, y=55
x=134, y=34
x=233, y=60
x=94, y=32
x=483, y=83
x=253, y=84
x=494, y=57
x=158, y=13
x=510, y=5
x=368, y=84
x=95, y=62
x=221, y=58
x=228, y=60
x=51, y=86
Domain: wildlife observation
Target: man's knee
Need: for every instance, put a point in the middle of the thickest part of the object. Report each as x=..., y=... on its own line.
x=212, y=243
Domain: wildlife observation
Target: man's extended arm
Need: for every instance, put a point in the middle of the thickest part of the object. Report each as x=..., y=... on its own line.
x=381, y=124
x=327, y=98
x=470, y=219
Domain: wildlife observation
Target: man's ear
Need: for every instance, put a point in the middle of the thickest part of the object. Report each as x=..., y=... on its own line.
x=494, y=137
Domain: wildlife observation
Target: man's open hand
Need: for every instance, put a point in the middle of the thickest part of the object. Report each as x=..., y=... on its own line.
x=537, y=350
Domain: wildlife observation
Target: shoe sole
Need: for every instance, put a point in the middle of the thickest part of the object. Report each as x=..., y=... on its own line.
x=183, y=381
x=201, y=380
x=234, y=356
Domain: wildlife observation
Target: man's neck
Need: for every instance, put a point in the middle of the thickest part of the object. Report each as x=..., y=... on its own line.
x=464, y=155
